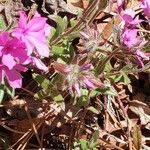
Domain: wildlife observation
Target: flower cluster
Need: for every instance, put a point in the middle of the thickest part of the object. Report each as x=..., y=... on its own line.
x=24, y=45
x=130, y=39
x=78, y=76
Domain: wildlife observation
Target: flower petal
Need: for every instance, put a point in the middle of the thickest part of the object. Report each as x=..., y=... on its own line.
x=39, y=64
x=77, y=89
x=41, y=47
x=14, y=78
x=4, y=36
x=8, y=61
x=29, y=45
x=22, y=20
x=88, y=83
x=36, y=24
x=19, y=67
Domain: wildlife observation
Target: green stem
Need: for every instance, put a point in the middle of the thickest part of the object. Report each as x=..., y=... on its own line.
x=101, y=65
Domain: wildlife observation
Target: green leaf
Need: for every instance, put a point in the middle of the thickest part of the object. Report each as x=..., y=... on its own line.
x=84, y=144
x=53, y=35
x=2, y=23
x=122, y=77
x=58, y=98
x=72, y=22
x=111, y=91
x=48, y=89
x=73, y=35
x=108, y=67
x=61, y=23
x=95, y=135
x=92, y=109
x=97, y=92
x=1, y=93
x=115, y=78
x=107, y=91
x=10, y=91
x=41, y=95
x=42, y=81
x=92, y=145
x=125, y=79
x=57, y=50
x=84, y=98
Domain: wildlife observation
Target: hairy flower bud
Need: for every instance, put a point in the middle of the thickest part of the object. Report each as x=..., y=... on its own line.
x=78, y=77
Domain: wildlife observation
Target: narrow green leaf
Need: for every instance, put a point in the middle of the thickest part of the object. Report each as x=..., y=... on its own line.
x=1, y=93
x=92, y=109
x=2, y=23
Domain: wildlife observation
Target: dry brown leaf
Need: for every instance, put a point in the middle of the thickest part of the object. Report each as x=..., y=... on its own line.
x=76, y=3
x=142, y=110
x=109, y=28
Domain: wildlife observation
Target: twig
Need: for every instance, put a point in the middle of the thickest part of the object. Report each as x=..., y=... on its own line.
x=106, y=113
x=128, y=123
x=109, y=145
x=33, y=125
x=25, y=138
x=12, y=130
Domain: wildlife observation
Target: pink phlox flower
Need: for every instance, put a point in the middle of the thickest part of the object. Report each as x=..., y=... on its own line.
x=128, y=15
x=134, y=44
x=13, y=75
x=130, y=19
x=129, y=38
x=33, y=33
x=12, y=50
x=145, y=5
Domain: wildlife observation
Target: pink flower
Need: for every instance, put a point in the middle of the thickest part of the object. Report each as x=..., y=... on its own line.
x=140, y=56
x=129, y=38
x=13, y=75
x=134, y=44
x=129, y=17
x=77, y=77
x=120, y=5
x=12, y=51
x=145, y=5
x=33, y=33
